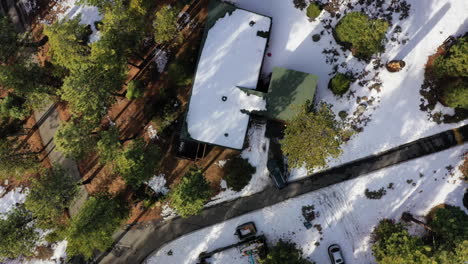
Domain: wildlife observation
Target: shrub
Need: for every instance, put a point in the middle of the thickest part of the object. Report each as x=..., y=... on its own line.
x=166, y=115
x=300, y=4
x=455, y=63
x=316, y=37
x=93, y=227
x=362, y=34
x=285, y=252
x=238, y=173
x=340, y=84
x=375, y=195
x=455, y=93
x=135, y=89
x=191, y=194
x=312, y=137
x=18, y=235
x=313, y=10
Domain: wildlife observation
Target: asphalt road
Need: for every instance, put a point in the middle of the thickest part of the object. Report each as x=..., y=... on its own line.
x=135, y=244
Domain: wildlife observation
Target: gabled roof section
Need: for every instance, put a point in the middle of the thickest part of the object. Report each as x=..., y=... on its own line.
x=231, y=57
x=289, y=90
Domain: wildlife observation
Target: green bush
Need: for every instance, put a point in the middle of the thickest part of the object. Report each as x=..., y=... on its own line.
x=363, y=35
x=191, y=194
x=455, y=64
x=455, y=93
x=180, y=74
x=238, y=173
x=166, y=115
x=313, y=10
x=135, y=89
x=285, y=252
x=165, y=25
x=340, y=84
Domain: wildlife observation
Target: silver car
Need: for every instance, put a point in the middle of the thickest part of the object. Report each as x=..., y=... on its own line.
x=336, y=256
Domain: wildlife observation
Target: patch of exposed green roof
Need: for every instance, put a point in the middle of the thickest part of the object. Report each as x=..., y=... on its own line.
x=288, y=91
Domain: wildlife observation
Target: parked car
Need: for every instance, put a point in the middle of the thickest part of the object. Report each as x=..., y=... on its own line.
x=276, y=174
x=336, y=256
x=246, y=230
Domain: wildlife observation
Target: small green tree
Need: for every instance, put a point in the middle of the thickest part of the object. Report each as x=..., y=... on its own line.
x=313, y=10
x=50, y=196
x=311, y=138
x=93, y=227
x=285, y=252
x=135, y=89
x=340, y=83
x=238, y=173
x=363, y=34
x=137, y=162
x=191, y=194
x=75, y=139
x=108, y=146
x=18, y=234
x=165, y=25
x=450, y=225
x=455, y=63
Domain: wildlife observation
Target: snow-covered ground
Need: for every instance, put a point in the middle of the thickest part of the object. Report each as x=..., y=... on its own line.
x=11, y=199
x=231, y=58
x=344, y=214
x=394, y=112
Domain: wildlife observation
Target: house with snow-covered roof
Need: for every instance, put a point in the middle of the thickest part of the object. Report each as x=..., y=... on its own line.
x=231, y=58
x=224, y=91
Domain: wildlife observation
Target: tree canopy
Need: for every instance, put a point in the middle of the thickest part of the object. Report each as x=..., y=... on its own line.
x=137, y=162
x=165, y=25
x=49, y=196
x=15, y=162
x=93, y=227
x=18, y=234
x=108, y=145
x=75, y=139
x=238, y=173
x=311, y=138
x=191, y=194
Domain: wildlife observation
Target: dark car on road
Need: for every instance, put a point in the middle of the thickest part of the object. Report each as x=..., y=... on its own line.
x=336, y=256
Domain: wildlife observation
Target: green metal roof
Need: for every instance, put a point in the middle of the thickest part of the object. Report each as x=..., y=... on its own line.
x=288, y=91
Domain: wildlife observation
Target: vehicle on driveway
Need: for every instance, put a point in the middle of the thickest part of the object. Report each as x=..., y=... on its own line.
x=336, y=256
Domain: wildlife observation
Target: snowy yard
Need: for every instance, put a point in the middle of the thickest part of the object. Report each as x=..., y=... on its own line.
x=394, y=115
x=344, y=214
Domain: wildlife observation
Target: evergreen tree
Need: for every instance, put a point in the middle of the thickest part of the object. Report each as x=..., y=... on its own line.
x=50, y=196
x=93, y=227
x=165, y=25
x=450, y=225
x=238, y=173
x=312, y=137
x=15, y=162
x=191, y=194
x=137, y=162
x=75, y=138
x=18, y=236
x=108, y=145
x=455, y=63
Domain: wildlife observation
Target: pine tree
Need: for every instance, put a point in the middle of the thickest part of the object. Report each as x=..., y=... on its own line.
x=191, y=194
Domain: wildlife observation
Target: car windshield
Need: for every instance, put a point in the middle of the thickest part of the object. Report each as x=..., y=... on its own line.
x=335, y=250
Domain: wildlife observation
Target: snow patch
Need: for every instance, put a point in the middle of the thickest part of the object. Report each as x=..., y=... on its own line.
x=158, y=184
x=161, y=58
x=167, y=212
x=9, y=201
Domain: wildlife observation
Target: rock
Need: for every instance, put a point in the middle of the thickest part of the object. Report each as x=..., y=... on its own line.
x=316, y=37
x=395, y=65
x=360, y=109
x=343, y=114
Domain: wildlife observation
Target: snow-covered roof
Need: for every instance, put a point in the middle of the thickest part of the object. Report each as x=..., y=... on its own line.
x=231, y=57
